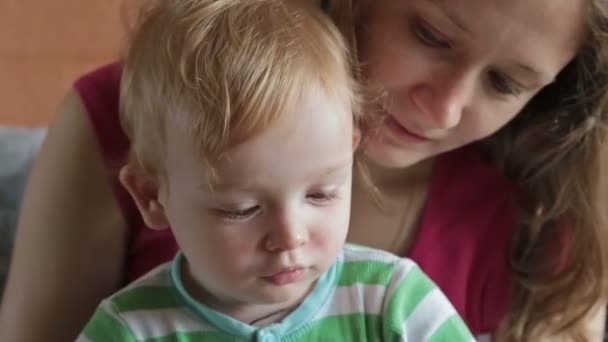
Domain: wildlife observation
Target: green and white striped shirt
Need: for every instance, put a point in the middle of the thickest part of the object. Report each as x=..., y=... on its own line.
x=367, y=295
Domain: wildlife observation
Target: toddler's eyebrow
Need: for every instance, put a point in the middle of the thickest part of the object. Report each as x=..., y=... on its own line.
x=338, y=167
x=220, y=186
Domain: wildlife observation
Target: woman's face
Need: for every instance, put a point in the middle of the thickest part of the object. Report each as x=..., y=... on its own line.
x=455, y=71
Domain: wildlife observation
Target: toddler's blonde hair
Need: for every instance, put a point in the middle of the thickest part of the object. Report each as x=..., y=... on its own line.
x=225, y=70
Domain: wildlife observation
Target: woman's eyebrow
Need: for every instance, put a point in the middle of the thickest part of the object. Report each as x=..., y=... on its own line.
x=540, y=75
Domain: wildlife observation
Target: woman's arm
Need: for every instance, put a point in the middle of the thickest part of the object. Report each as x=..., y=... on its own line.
x=70, y=244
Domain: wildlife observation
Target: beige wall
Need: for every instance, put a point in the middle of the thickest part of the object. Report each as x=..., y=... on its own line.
x=45, y=45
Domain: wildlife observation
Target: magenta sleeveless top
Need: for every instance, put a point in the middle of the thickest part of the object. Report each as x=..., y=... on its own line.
x=99, y=92
x=461, y=244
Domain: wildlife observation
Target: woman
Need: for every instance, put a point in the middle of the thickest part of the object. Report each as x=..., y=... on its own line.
x=491, y=152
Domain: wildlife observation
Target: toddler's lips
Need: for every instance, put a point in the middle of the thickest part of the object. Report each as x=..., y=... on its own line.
x=285, y=276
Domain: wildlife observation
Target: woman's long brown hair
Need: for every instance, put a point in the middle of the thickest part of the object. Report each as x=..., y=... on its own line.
x=556, y=150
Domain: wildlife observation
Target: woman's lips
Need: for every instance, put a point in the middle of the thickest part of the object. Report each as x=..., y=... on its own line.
x=286, y=276
x=402, y=132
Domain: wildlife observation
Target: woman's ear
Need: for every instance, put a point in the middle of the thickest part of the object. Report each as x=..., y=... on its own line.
x=145, y=191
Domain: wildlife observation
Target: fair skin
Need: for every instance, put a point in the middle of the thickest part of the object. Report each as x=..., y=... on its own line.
x=449, y=86
x=257, y=238
x=455, y=77
x=453, y=94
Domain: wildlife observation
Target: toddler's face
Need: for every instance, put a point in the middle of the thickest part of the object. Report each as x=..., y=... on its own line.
x=277, y=216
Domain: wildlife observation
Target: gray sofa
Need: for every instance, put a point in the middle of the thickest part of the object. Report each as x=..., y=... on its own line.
x=18, y=148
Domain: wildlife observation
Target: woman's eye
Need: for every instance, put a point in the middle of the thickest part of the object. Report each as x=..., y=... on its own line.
x=239, y=214
x=502, y=84
x=429, y=37
x=321, y=197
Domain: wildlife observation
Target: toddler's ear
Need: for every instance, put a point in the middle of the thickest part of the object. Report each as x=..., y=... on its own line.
x=145, y=191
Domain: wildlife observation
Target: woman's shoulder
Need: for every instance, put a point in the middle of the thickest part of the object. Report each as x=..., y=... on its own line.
x=99, y=89
x=99, y=92
x=105, y=78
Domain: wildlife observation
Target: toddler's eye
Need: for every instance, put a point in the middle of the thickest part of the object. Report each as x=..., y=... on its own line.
x=322, y=197
x=240, y=214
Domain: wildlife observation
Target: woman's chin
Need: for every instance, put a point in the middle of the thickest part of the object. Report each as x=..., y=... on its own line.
x=391, y=157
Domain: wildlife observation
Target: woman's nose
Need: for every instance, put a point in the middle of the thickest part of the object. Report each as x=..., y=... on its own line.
x=441, y=101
